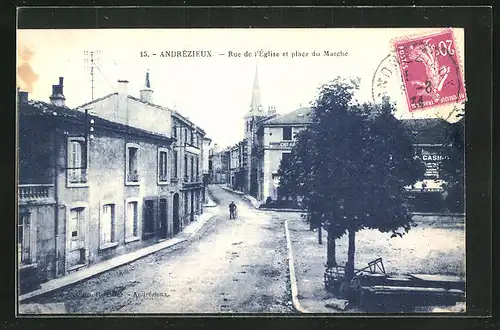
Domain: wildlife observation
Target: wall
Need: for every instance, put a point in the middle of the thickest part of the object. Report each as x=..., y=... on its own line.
x=36, y=143
x=106, y=185
x=124, y=110
x=272, y=159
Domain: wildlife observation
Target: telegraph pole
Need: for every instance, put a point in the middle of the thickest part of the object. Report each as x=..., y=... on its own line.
x=91, y=60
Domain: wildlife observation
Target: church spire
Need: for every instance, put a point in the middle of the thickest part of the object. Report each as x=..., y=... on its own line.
x=147, y=84
x=256, y=108
x=147, y=92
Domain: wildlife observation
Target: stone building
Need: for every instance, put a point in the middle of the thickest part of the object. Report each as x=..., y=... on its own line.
x=218, y=165
x=269, y=137
x=101, y=180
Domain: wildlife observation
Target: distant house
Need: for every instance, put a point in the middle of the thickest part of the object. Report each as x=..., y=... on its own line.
x=430, y=138
x=218, y=165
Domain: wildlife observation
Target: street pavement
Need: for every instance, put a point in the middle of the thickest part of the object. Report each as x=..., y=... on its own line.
x=234, y=266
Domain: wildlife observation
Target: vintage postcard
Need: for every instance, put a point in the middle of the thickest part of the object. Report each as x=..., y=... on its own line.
x=226, y=171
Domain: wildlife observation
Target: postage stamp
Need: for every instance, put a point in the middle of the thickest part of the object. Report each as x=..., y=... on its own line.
x=431, y=70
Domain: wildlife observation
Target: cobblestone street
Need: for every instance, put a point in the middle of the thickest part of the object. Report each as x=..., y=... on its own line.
x=233, y=266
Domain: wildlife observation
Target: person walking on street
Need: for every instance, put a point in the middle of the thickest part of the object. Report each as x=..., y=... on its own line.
x=232, y=210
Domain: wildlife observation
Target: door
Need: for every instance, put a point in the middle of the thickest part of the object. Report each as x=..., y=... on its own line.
x=191, y=216
x=175, y=214
x=162, y=230
x=148, y=222
x=76, y=251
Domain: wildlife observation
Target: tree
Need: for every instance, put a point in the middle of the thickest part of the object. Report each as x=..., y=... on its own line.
x=452, y=167
x=296, y=179
x=359, y=159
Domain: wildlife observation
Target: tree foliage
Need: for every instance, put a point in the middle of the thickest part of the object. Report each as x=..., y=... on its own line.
x=352, y=163
x=453, y=166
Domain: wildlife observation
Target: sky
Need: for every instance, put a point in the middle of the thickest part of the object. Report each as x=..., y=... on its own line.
x=213, y=92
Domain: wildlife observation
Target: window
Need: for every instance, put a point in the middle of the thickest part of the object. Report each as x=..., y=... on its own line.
x=192, y=168
x=193, y=138
x=287, y=133
x=107, y=224
x=197, y=168
x=185, y=135
x=24, y=238
x=132, y=170
x=132, y=219
x=175, y=131
x=77, y=161
x=174, y=164
x=162, y=165
x=185, y=167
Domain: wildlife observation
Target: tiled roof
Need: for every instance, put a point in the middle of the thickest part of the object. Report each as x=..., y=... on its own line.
x=428, y=131
x=174, y=112
x=96, y=100
x=39, y=108
x=297, y=117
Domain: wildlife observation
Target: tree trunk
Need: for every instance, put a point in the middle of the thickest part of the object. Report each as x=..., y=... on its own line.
x=349, y=272
x=311, y=225
x=320, y=235
x=330, y=252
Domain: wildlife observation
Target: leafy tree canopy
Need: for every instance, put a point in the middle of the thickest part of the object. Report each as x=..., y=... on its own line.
x=352, y=163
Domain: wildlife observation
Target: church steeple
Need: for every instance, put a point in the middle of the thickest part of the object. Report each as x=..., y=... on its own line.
x=147, y=92
x=256, y=108
x=147, y=84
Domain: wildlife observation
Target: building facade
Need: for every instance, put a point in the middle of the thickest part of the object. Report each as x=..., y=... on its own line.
x=269, y=137
x=218, y=165
x=101, y=180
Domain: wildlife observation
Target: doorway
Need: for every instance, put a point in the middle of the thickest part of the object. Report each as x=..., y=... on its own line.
x=148, y=223
x=175, y=214
x=163, y=227
x=192, y=206
x=76, y=254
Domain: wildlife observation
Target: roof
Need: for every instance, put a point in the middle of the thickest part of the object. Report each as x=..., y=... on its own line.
x=44, y=109
x=301, y=116
x=428, y=130
x=174, y=112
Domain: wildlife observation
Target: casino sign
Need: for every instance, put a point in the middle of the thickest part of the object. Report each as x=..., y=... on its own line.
x=281, y=145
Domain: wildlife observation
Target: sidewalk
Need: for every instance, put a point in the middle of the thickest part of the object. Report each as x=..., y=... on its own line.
x=255, y=203
x=426, y=249
x=189, y=232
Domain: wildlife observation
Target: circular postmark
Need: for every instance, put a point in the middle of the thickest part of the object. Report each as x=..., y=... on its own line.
x=388, y=82
x=385, y=82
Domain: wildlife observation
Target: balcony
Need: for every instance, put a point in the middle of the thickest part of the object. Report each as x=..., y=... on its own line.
x=36, y=193
x=77, y=176
x=132, y=178
x=193, y=182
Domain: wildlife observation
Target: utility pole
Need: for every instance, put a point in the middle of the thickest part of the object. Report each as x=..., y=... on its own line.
x=91, y=59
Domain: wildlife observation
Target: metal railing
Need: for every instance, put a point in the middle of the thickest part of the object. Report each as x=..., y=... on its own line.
x=78, y=175
x=133, y=177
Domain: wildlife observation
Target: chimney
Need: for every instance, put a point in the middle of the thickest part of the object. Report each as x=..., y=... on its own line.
x=271, y=110
x=122, y=111
x=57, y=98
x=147, y=93
x=23, y=97
x=122, y=87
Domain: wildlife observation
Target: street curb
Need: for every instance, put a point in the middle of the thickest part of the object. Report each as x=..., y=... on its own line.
x=293, y=279
x=438, y=214
x=39, y=292
x=233, y=191
x=282, y=210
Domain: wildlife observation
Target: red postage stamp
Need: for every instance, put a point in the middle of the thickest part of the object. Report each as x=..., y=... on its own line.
x=431, y=70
